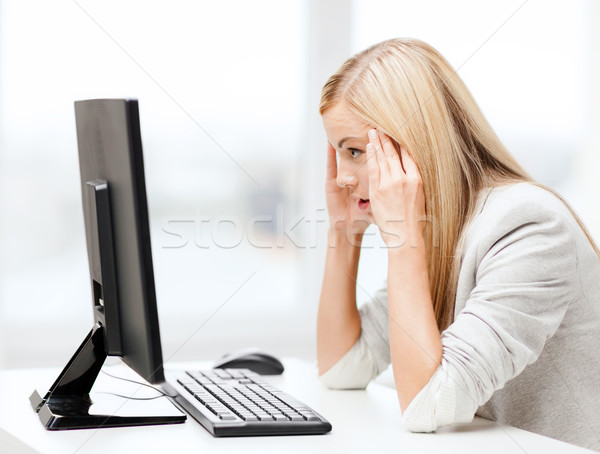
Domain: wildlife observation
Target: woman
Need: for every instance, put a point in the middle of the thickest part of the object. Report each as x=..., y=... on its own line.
x=493, y=288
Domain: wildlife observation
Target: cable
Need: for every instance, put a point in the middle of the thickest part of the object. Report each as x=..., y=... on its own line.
x=133, y=398
x=158, y=390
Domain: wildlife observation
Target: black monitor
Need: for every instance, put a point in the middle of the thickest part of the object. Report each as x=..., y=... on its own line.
x=120, y=261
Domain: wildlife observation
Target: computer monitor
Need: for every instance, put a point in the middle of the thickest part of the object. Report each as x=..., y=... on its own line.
x=121, y=273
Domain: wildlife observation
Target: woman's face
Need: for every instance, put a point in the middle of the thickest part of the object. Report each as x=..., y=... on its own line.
x=347, y=134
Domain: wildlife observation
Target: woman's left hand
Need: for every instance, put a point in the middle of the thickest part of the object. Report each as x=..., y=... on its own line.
x=395, y=193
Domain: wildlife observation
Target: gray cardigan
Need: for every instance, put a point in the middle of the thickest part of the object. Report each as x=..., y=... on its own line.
x=524, y=347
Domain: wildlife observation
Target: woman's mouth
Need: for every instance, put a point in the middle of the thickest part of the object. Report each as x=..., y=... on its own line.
x=363, y=204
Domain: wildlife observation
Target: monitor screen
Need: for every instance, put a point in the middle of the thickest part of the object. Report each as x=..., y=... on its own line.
x=110, y=151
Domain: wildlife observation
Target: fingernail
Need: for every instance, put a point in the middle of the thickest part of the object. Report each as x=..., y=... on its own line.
x=372, y=134
x=369, y=148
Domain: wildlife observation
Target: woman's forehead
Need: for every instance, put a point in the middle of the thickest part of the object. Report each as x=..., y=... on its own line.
x=340, y=121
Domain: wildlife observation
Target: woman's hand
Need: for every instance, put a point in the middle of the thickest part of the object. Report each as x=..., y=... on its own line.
x=344, y=215
x=395, y=192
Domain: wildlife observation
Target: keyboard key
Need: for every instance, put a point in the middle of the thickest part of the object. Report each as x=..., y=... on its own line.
x=198, y=377
x=221, y=373
x=291, y=401
x=270, y=409
x=310, y=416
x=235, y=373
x=281, y=406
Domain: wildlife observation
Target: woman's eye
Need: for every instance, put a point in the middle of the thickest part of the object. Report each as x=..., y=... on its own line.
x=354, y=152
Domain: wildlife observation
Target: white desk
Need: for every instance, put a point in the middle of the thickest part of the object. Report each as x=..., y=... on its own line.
x=363, y=421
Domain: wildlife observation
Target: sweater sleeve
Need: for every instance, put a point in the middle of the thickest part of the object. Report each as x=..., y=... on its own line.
x=370, y=354
x=523, y=286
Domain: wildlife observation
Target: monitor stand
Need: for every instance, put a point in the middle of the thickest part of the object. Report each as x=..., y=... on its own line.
x=68, y=405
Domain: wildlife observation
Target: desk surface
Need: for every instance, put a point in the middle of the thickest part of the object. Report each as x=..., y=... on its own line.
x=363, y=421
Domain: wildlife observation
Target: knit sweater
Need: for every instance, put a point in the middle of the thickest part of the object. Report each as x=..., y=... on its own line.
x=524, y=347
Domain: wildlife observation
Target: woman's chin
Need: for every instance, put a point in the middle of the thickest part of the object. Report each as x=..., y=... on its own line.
x=361, y=221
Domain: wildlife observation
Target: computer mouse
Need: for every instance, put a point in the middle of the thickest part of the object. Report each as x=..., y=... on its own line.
x=255, y=359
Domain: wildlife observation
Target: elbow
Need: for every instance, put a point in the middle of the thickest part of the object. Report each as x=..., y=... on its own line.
x=331, y=380
x=418, y=410
x=429, y=406
x=407, y=396
x=409, y=389
x=419, y=413
x=430, y=421
x=415, y=418
x=353, y=371
x=419, y=425
x=345, y=376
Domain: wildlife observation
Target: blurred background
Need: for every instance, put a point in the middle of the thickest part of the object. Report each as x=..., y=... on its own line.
x=235, y=152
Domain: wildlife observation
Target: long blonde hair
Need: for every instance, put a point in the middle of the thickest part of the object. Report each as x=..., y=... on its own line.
x=407, y=89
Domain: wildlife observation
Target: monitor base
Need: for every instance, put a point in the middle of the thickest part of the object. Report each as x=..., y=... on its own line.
x=66, y=413
x=68, y=405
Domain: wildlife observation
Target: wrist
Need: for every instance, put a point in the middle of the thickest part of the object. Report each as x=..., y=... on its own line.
x=409, y=252
x=402, y=240
x=344, y=239
x=343, y=253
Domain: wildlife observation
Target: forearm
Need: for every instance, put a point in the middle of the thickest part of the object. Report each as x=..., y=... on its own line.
x=338, y=320
x=415, y=341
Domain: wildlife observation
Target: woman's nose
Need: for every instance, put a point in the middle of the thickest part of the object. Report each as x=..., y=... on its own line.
x=346, y=178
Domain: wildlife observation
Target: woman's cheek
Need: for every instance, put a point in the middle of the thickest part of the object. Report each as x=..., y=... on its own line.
x=363, y=176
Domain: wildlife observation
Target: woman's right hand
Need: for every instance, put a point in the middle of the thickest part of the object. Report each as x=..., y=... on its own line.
x=344, y=214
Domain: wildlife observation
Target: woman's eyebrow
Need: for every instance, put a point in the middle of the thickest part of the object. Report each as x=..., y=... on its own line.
x=341, y=142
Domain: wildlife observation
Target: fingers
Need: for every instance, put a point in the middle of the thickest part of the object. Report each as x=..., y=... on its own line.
x=331, y=163
x=391, y=154
x=372, y=169
x=384, y=169
x=410, y=166
x=386, y=153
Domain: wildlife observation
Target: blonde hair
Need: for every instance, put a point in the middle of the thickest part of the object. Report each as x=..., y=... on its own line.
x=408, y=90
